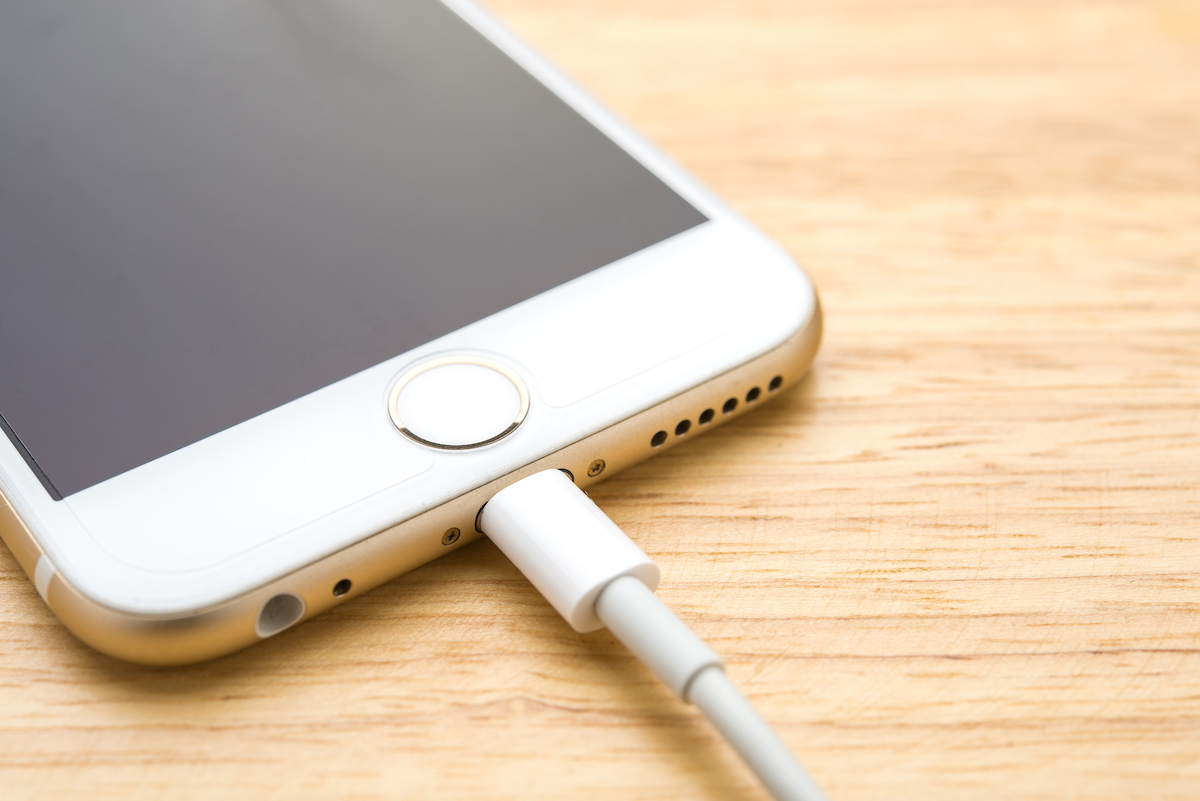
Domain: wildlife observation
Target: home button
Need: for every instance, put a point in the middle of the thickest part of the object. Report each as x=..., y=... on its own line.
x=457, y=403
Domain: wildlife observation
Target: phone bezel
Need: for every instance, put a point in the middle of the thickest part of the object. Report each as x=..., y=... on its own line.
x=723, y=273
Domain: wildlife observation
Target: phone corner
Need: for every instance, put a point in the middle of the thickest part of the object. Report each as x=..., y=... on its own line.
x=145, y=640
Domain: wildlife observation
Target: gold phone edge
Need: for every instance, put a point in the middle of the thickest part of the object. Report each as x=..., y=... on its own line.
x=376, y=559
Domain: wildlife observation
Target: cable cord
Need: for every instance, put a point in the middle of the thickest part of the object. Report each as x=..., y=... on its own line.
x=596, y=577
x=633, y=613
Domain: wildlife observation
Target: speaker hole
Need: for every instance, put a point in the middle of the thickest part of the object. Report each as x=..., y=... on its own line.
x=729, y=406
x=658, y=439
x=776, y=383
x=706, y=416
x=753, y=394
x=342, y=587
x=279, y=613
x=683, y=427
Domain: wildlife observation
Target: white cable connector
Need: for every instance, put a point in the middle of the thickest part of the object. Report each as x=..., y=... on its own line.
x=563, y=544
x=595, y=576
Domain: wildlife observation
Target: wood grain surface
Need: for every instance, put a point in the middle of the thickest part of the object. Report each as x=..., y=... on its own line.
x=961, y=560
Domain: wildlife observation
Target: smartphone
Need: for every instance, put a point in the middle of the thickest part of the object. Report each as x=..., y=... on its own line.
x=290, y=288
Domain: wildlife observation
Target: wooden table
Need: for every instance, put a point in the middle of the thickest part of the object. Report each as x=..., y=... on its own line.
x=962, y=559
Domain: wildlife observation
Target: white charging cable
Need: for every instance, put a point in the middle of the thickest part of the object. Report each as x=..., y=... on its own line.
x=594, y=575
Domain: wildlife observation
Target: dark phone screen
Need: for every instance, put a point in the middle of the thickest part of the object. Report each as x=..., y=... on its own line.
x=209, y=209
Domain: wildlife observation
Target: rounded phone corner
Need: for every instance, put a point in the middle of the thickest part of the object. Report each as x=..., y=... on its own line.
x=153, y=641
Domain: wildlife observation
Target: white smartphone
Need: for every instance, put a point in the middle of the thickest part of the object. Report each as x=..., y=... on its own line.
x=289, y=289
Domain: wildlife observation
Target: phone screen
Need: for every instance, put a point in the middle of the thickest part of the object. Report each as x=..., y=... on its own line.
x=209, y=209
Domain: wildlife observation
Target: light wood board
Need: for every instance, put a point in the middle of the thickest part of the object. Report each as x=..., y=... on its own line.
x=961, y=560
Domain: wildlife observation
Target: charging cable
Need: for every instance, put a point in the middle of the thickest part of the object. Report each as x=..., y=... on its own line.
x=595, y=576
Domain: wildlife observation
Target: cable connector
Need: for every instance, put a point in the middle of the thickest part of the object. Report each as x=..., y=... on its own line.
x=595, y=576
x=564, y=544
